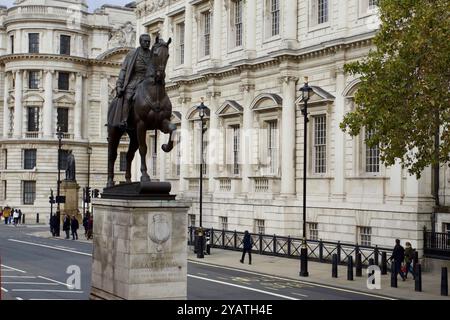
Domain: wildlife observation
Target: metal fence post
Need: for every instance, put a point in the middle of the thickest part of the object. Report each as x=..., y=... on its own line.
x=418, y=283
x=289, y=246
x=223, y=238
x=375, y=255
x=338, y=254
x=321, y=250
x=274, y=244
x=349, y=268
x=383, y=263
x=235, y=239
x=260, y=243
x=444, y=282
x=334, y=268
x=37, y=217
x=358, y=265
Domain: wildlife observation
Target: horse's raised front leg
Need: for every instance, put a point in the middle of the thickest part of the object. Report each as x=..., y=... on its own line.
x=132, y=148
x=168, y=127
x=114, y=135
x=141, y=133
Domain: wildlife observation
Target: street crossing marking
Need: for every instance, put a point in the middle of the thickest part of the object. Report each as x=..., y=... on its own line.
x=64, y=284
x=19, y=298
x=36, y=283
x=12, y=269
x=51, y=247
x=299, y=294
x=243, y=287
x=47, y=290
x=3, y=289
x=21, y=277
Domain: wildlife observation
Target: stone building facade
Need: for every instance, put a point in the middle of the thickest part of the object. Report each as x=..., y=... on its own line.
x=58, y=66
x=247, y=59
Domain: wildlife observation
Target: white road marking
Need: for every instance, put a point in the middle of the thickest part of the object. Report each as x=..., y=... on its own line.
x=39, y=283
x=293, y=280
x=39, y=290
x=51, y=247
x=64, y=284
x=299, y=294
x=21, y=277
x=243, y=287
x=50, y=299
x=13, y=269
x=19, y=298
x=3, y=289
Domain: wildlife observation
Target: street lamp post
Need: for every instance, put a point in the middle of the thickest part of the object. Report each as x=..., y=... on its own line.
x=306, y=90
x=201, y=111
x=59, y=134
x=89, y=152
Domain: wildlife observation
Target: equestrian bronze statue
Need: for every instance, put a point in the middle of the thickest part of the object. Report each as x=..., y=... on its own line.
x=141, y=104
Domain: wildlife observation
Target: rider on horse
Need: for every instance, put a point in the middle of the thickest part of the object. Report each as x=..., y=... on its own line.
x=133, y=71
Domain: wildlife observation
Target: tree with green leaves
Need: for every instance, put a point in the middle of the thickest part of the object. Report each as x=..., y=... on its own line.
x=403, y=97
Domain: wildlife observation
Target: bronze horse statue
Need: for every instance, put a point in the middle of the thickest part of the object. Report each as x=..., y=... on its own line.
x=151, y=110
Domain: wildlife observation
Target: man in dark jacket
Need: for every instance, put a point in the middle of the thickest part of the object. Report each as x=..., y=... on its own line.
x=74, y=226
x=398, y=254
x=66, y=225
x=248, y=244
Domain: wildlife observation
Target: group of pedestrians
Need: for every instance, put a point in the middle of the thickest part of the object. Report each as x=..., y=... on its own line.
x=71, y=224
x=11, y=216
x=403, y=259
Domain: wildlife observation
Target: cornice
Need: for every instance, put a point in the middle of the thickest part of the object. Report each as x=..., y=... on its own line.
x=54, y=57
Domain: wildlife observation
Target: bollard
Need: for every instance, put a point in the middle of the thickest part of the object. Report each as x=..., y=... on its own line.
x=415, y=260
x=37, y=217
x=376, y=254
x=444, y=282
x=338, y=252
x=418, y=283
x=320, y=250
x=350, y=268
x=334, y=268
x=358, y=265
x=383, y=263
x=393, y=275
x=23, y=218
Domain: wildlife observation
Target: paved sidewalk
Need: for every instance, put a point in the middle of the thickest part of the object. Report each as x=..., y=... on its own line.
x=320, y=273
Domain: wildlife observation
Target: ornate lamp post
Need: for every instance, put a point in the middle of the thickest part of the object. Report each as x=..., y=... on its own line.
x=306, y=90
x=59, y=134
x=201, y=112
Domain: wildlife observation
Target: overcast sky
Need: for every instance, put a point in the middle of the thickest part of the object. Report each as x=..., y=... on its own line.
x=93, y=4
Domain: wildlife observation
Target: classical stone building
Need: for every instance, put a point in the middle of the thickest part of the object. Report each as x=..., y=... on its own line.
x=248, y=60
x=58, y=66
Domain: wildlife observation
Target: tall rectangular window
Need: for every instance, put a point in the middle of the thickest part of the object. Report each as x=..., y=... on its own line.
x=272, y=146
x=206, y=32
x=275, y=16
x=64, y=44
x=238, y=22
x=180, y=31
x=63, y=80
x=29, y=192
x=5, y=186
x=63, y=159
x=29, y=159
x=123, y=161
x=372, y=155
x=5, y=157
x=313, y=231
x=33, y=119
x=365, y=236
x=63, y=119
x=33, y=80
x=320, y=144
x=373, y=4
x=322, y=13
x=259, y=226
x=33, y=43
x=236, y=146
x=223, y=223
x=11, y=39
x=191, y=220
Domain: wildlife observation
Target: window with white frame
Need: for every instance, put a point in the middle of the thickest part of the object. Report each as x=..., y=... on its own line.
x=322, y=13
x=29, y=192
x=206, y=33
x=123, y=161
x=5, y=159
x=5, y=186
x=320, y=144
x=180, y=37
x=236, y=23
x=272, y=146
x=33, y=119
x=33, y=43
x=259, y=226
x=373, y=4
x=191, y=220
x=236, y=146
x=11, y=38
x=223, y=223
x=367, y=7
x=365, y=236
x=275, y=16
x=29, y=159
x=33, y=80
x=313, y=231
x=372, y=156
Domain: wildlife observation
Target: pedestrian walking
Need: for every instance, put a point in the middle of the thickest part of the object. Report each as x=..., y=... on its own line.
x=19, y=220
x=90, y=227
x=52, y=225
x=74, y=226
x=85, y=224
x=6, y=214
x=398, y=255
x=248, y=244
x=409, y=257
x=66, y=225
x=15, y=217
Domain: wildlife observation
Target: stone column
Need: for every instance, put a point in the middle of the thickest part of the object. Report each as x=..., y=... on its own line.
x=213, y=137
x=217, y=32
x=339, y=150
x=185, y=150
x=288, y=135
x=188, y=27
x=18, y=112
x=290, y=23
x=248, y=91
x=48, y=104
x=78, y=114
x=250, y=41
x=6, y=115
x=103, y=105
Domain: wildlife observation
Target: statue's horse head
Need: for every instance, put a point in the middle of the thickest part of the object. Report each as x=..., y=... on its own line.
x=160, y=55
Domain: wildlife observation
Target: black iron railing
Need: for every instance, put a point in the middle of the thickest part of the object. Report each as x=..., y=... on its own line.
x=289, y=247
x=436, y=244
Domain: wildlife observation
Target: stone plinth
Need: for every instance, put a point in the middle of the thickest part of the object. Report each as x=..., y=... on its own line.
x=70, y=190
x=140, y=249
